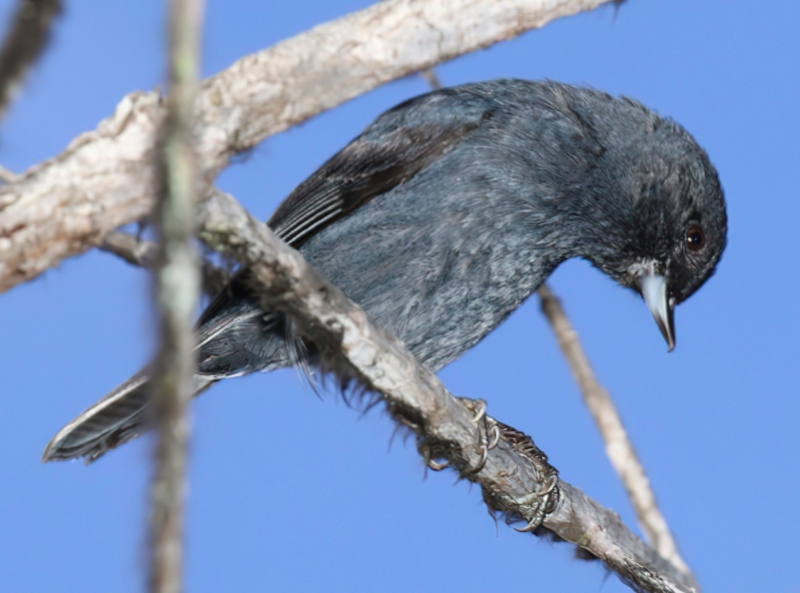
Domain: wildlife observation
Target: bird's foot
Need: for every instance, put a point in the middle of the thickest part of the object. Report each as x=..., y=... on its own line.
x=537, y=505
x=488, y=438
x=488, y=431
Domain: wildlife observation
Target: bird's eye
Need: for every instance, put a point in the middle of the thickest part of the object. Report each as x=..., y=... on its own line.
x=695, y=238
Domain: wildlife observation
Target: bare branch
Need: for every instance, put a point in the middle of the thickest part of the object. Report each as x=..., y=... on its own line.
x=28, y=34
x=177, y=291
x=143, y=254
x=7, y=176
x=514, y=475
x=136, y=252
x=618, y=446
x=103, y=180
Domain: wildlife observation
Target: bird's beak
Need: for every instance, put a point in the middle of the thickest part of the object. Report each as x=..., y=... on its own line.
x=654, y=290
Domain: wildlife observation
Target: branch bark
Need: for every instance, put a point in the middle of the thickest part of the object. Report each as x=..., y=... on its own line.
x=104, y=179
x=618, y=446
x=513, y=475
x=177, y=291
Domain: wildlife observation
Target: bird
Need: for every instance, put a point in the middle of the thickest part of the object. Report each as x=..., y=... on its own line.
x=447, y=212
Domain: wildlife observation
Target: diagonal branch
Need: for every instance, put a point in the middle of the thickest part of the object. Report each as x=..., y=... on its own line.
x=618, y=446
x=104, y=180
x=510, y=474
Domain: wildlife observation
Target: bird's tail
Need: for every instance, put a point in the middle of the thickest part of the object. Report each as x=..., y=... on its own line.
x=120, y=416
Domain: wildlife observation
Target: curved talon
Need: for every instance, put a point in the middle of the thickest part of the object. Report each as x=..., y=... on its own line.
x=480, y=414
x=495, y=437
x=544, y=504
x=481, y=463
x=532, y=524
x=548, y=489
x=436, y=466
x=476, y=406
x=424, y=449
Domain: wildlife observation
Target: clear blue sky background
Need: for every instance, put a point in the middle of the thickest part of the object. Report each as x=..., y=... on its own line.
x=290, y=493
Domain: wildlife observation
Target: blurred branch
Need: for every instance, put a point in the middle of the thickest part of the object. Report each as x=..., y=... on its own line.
x=27, y=36
x=104, y=180
x=141, y=253
x=429, y=74
x=514, y=475
x=136, y=252
x=177, y=291
x=8, y=176
x=618, y=446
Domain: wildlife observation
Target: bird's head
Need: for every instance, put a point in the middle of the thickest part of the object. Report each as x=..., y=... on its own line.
x=665, y=232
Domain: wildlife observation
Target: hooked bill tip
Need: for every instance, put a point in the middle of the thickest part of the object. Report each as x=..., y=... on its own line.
x=654, y=291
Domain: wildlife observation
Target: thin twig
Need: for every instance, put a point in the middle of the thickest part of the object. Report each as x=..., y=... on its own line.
x=429, y=74
x=143, y=254
x=514, y=475
x=177, y=289
x=136, y=252
x=618, y=446
x=27, y=36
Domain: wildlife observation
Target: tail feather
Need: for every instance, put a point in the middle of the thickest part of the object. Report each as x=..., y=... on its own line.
x=234, y=338
x=120, y=416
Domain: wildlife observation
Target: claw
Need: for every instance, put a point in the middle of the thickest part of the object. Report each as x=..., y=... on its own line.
x=495, y=437
x=533, y=524
x=482, y=462
x=489, y=436
x=485, y=443
x=436, y=466
x=542, y=502
x=425, y=450
x=477, y=407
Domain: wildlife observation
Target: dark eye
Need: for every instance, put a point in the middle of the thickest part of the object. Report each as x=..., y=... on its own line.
x=695, y=238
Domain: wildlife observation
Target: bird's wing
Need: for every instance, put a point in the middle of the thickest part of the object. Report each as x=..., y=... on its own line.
x=384, y=156
x=400, y=143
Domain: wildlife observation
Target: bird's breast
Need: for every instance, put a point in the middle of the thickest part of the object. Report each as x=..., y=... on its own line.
x=431, y=263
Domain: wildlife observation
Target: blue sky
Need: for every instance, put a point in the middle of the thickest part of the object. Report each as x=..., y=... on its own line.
x=292, y=493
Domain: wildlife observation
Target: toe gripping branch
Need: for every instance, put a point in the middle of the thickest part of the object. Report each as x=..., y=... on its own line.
x=536, y=505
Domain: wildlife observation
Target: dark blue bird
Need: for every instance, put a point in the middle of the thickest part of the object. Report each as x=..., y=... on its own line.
x=448, y=212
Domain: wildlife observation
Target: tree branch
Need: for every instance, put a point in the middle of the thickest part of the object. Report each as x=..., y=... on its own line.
x=177, y=291
x=27, y=36
x=104, y=180
x=510, y=474
x=141, y=253
x=618, y=446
